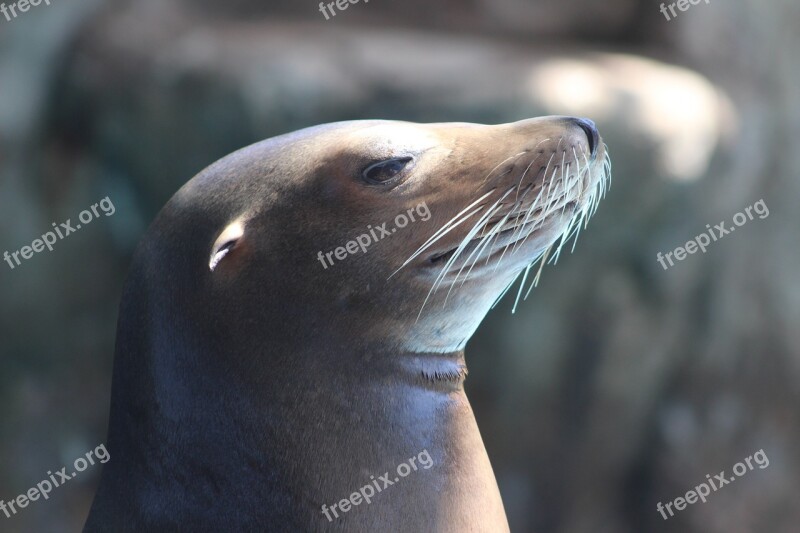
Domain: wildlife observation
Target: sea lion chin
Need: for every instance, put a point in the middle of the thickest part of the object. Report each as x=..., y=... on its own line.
x=252, y=352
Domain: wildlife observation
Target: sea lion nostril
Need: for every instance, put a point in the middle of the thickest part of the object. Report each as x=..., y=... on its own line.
x=590, y=128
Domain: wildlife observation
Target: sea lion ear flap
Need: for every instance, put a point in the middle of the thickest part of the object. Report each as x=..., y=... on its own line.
x=226, y=242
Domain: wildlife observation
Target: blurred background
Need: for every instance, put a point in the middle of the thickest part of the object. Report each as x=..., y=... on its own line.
x=616, y=386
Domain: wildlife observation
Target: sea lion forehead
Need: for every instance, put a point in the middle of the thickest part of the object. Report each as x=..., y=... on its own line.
x=390, y=138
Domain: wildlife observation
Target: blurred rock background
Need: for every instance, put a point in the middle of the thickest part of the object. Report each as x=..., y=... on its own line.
x=618, y=385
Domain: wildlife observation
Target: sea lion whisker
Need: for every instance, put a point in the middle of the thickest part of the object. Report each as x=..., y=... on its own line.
x=577, y=223
x=525, y=172
x=522, y=178
x=583, y=172
x=521, y=285
x=452, y=220
x=496, y=230
x=553, y=182
x=479, y=227
x=537, y=197
x=597, y=191
x=476, y=253
x=506, y=289
x=531, y=210
x=524, y=279
x=544, y=174
x=580, y=225
x=542, y=262
x=572, y=228
x=470, y=236
x=498, y=166
x=545, y=212
x=563, y=188
x=567, y=191
x=565, y=235
x=446, y=228
x=581, y=219
x=443, y=273
x=519, y=201
x=465, y=241
x=429, y=244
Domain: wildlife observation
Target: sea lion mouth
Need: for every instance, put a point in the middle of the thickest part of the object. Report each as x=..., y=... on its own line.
x=513, y=229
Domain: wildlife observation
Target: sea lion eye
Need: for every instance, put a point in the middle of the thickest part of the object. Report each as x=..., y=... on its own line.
x=385, y=171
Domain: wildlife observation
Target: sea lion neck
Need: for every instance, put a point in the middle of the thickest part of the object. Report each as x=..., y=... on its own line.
x=359, y=367
x=423, y=371
x=441, y=372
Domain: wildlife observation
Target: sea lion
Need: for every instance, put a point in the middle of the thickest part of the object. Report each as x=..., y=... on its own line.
x=255, y=389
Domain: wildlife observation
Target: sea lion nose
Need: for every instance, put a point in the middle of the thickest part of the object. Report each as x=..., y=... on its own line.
x=590, y=128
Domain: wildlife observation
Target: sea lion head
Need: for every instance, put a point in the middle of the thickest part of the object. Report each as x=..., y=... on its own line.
x=378, y=233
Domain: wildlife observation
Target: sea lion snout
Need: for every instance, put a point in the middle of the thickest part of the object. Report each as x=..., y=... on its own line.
x=582, y=133
x=535, y=180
